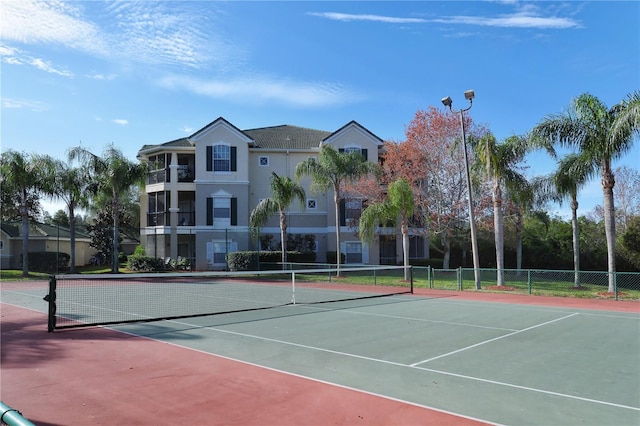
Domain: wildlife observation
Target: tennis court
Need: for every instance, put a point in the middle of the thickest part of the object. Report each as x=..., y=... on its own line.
x=524, y=362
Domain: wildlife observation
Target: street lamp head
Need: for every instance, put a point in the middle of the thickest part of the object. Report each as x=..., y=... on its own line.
x=469, y=94
x=447, y=101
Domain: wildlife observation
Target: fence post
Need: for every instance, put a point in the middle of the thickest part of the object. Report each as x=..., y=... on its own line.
x=529, y=281
x=430, y=276
x=615, y=284
x=459, y=276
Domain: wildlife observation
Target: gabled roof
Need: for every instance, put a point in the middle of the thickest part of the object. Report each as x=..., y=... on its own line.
x=286, y=137
x=182, y=142
x=274, y=137
x=220, y=121
x=41, y=230
x=358, y=126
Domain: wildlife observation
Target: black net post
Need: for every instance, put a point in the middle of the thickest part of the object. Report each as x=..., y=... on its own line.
x=51, y=299
x=411, y=279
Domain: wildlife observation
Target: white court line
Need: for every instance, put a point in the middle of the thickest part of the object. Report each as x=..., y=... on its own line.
x=415, y=364
x=397, y=364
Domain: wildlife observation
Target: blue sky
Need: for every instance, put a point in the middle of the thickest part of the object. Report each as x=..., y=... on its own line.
x=145, y=72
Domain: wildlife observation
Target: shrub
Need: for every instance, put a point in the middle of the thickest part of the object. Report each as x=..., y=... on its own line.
x=332, y=256
x=145, y=263
x=45, y=261
x=243, y=261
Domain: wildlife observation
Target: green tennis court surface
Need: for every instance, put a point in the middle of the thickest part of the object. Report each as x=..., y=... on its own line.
x=501, y=363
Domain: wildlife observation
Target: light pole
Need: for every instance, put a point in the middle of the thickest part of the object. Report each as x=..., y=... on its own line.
x=469, y=95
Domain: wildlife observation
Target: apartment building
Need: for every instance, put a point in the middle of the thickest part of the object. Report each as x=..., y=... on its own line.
x=201, y=190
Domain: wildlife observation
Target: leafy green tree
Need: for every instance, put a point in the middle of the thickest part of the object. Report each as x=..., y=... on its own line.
x=330, y=171
x=399, y=204
x=101, y=232
x=113, y=175
x=500, y=162
x=601, y=136
x=60, y=217
x=71, y=185
x=23, y=183
x=283, y=192
x=565, y=182
x=630, y=243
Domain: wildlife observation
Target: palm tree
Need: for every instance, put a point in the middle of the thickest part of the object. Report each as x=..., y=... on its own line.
x=570, y=176
x=601, y=136
x=399, y=203
x=500, y=162
x=283, y=192
x=330, y=171
x=23, y=175
x=113, y=176
x=71, y=186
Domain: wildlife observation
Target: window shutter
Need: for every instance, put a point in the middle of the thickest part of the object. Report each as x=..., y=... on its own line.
x=234, y=155
x=209, y=211
x=209, y=158
x=343, y=213
x=364, y=154
x=234, y=211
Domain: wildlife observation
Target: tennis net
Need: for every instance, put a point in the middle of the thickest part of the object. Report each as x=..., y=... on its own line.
x=91, y=300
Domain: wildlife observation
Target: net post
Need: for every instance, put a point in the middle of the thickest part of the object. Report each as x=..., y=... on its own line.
x=51, y=299
x=293, y=287
x=411, y=279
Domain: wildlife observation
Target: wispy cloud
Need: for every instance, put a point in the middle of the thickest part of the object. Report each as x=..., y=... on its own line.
x=35, y=106
x=517, y=20
x=13, y=56
x=131, y=31
x=99, y=76
x=261, y=90
x=346, y=17
x=35, y=22
x=527, y=18
x=121, y=121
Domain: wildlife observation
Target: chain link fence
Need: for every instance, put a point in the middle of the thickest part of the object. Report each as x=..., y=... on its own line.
x=588, y=284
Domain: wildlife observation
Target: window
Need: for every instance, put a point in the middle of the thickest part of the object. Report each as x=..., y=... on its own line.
x=158, y=202
x=350, y=149
x=350, y=211
x=158, y=169
x=353, y=209
x=353, y=252
x=221, y=212
x=311, y=204
x=263, y=161
x=416, y=247
x=217, y=251
x=221, y=158
x=353, y=148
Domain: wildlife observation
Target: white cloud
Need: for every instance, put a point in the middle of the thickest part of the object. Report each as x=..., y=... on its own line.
x=512, y=21
x=46, y=66
x=528, y=18
x=260, y=90
x=346, y=17
x=98, y=76
x=133, y=31
x=121, y=121
x=188, y=129
x=35, y=106
x=34, y=22
x=14, y=56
